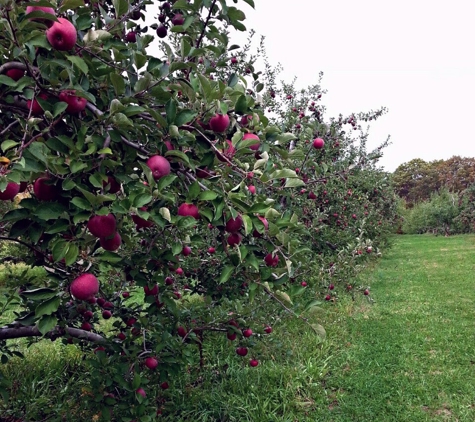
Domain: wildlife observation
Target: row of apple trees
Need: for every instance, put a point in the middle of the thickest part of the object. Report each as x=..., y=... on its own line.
x=169, y=187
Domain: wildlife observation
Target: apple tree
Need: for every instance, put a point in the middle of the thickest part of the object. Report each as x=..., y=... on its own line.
x=156, y=189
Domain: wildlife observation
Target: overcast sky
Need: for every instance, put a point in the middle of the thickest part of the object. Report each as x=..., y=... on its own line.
x=415, y=57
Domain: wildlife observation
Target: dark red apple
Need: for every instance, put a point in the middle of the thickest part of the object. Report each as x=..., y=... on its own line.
x=106, y=314
x=318, y=143
x=241, y=351
x=253, y=363
x=15, y=74
x=75, y=104
x=249, y=136
x=186, y=251
x=84, y=286
x=151, y=363
x=227, y=153
x=131, y=36
x=62, y=35
x=247, y=332
x=234, y=224
x=190, y=210
x=234, y=239
x=44, y=190
x=102, y=225
x=178, y=19
x=10, y=191
x=34, y=105
x=219, y=123
x=271, y=261
x=111, y=185
x=151, y=291
x=111, y=243
x=162, y=31
x=159, y=165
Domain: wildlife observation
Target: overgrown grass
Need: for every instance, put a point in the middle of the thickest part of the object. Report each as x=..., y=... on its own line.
x=407, y=356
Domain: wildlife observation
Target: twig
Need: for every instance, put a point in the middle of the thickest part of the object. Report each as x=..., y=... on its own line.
x=7, y=332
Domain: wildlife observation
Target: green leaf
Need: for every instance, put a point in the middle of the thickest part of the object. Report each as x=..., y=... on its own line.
x=165, y=181
x=247, y=223
x=207, y=195
x=59, y=250
x=170, y=108
x=50, y=211
x=319, y=330
x=47, y=323
x=48, y=307
x=178, y=154
x=111, y=257
x=81, y=203
x=142, y=199
x=9, y=143
x=294, y=183
x=233, y=80
x=121, y=7
x=226, y=274
x=71, y=5
x=79, y=62
x=184, y=117
x=58, y=108
x=72, y=254
x=39, y=294
x=118, y=83
x=193, y=191
x=241, y=105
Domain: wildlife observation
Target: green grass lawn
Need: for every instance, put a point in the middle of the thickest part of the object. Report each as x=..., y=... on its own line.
x=407, y=356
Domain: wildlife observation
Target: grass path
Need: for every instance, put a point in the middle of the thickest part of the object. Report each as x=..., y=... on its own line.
x=411, y=355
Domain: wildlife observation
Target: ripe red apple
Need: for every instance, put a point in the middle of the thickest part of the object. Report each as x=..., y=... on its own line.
x=186, y=210
x=112, y=185
x=179, y=271
x=331, y=286
x=248, y=136
x=328, y=297
x=303, y=284
x=318, y=143
x=106, y=314
x=62, y=35
x=271, y=261
x=151, y=363
x=268, y=329
x=366, y=292
x=162, y=31
x=86, y=326
x=227, y=153
x=164, y=385
x=111, y=243
x=211, y=250
x=121, y=336
x=84, y=286
x=151, y=291
x=241, y=351
x=75, y=104
x=253, y=363
x=231, y=336
x=141, y=391
x=34, y=105
x=44, y=190
x=247, y=332
x=102, y=225
x=15, y=74
x=181, y=331
x=186, y=251
x=312, y=196
x=125, y=295
x=49, y=10
x=108, y=305
x=159, y=165
x=252, y=189
x=131, y=321
x=10, y=191
x=178, y=19
x=234, y=239
x=131, y=36
x=100, y=301
x=219, y=123
x=354, y=216
x=88, y=315
x=234, y=224
x=169, y=281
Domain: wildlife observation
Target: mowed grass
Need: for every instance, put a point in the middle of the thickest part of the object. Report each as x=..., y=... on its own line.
x=411, y=355
x=408, y=355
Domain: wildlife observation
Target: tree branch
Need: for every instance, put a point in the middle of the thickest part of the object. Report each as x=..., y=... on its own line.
x=7, y=333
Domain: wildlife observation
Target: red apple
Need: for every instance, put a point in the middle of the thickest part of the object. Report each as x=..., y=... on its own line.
x=253, y=363
x=268, y=329
x=141, y=391
x=164, y=385
x=211, y=250
x=121, y=336
x=111, y=243
x=248, y=136
x=10, y=191
x=162, y=31
x=84, y=286
x=227, y=153
x=159, y=165
x=131, y=36
x=182, y=331
x=178, y=19
x=318, y=143
x=366, y=292
x=112, y=185
x=186, y=251
x=62, y=35
x=234, y=239
x=186, y=210
x=151, y=363
x=219, y=123
x=271, y=261
x=247, y=332
x=151, y=291
x=231, y=336
x=241, y=351
x=234, y=224
x=169, y=281
x=102, y=225
x=44, y=190
x=75, y=104
x=252, y=189
x=34, y=105
x=15, y=74
x=49, y=10
x=86, y=326
x=106, y=314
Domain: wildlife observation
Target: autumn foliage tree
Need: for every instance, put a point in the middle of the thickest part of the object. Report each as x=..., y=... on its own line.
x=161, y=194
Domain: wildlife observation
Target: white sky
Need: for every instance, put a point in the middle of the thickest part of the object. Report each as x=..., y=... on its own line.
x=415, y=57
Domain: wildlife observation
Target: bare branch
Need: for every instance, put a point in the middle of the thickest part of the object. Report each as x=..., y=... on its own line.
x=7, y=333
